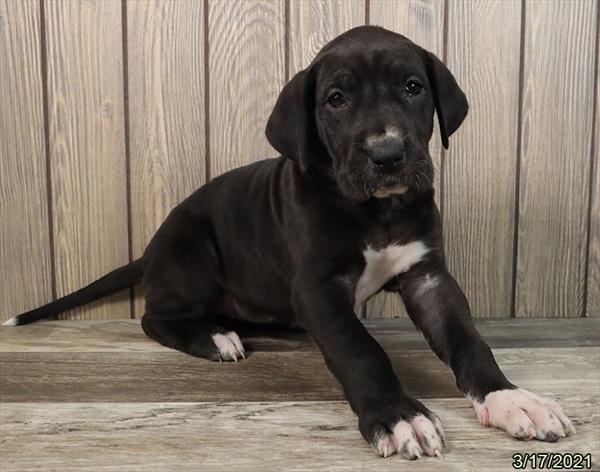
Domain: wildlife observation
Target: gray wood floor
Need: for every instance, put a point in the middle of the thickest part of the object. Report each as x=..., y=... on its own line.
x=99, y=396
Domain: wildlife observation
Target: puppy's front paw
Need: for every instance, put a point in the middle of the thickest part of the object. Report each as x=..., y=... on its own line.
x=404, y=429
x=524, y=415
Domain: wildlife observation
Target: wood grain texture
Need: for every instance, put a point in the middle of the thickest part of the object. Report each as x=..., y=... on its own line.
x=391, y=334
x=247, y=72
x=87, y=147
x=313, y=23
x=24, y=234
x=555, y=151
x=165, y=41
x=263, y=376
x=89, y=387
x=51, y=362
x=238, y=436
x=422, y=21
x=593, y=282
x=480, y=169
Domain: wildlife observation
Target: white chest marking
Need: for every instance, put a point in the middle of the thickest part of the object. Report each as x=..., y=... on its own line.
x=383, y=264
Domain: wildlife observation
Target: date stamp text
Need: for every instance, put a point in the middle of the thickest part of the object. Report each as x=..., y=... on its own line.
x=553, y=461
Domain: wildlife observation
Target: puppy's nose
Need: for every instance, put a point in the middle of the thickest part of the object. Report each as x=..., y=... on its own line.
x=386, y=153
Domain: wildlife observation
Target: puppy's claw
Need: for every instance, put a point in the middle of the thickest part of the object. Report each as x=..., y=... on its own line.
x=438, y=453
x=385, y=446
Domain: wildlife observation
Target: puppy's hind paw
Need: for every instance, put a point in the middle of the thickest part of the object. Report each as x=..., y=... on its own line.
x=229, y=346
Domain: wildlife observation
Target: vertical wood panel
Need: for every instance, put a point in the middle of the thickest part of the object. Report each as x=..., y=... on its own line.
x=247, y=71
x=24, y=234
x=314, y=23
x=480, y=170
x=593, y=282
x=87, y=147
x=166, y=111
x=422, y=21
x=555, y=151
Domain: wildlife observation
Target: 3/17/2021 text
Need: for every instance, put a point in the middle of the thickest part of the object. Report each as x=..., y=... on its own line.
x=553, y=461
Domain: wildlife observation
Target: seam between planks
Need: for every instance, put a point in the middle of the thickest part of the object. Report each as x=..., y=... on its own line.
x=125, y=54
x=442, y=170
x=513, y=294
x=46, y=113
x=594, y=144
x=206, y=95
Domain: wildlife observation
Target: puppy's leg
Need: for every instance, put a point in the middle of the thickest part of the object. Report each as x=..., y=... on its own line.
x=196, y=337
x=183, y=292
x=440, y=310
x=389, y=419
x=190, y=323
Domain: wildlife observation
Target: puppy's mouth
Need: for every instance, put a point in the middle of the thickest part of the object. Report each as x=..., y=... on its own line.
x=389, y=189
x=361, y=181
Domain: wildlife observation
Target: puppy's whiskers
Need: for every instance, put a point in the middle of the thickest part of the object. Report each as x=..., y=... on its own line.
x=431, y=164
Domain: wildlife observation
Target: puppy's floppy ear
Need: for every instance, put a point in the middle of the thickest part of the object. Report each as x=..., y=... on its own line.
x=451, y=103
x=291, y=128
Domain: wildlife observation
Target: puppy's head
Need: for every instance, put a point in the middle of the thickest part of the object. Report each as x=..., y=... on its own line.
x=362, y=113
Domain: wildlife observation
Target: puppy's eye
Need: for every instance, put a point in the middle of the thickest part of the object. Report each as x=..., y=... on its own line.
x=336, y=100
x=413, y=87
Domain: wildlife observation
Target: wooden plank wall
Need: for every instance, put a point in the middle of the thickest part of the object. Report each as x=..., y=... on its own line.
x=593, y=272
x=166, y=92
x=113, y=111
x=86, y=147
x=24, y=229
x=558, y=91
x=480, y=169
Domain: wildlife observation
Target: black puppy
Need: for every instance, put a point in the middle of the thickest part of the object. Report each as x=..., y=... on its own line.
x=346, y=212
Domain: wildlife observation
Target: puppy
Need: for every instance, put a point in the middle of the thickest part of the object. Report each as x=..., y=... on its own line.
x=345, y=212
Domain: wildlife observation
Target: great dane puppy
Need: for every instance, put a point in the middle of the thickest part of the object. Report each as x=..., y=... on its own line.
x=345, y=212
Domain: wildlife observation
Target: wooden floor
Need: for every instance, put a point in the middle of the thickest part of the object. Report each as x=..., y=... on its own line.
x=99, y=396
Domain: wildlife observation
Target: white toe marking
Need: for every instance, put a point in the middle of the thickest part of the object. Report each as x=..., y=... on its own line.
x=556, y=409
x=229, y=345
x=524, y=415
x=440, y=430
x=237, y=342
x=411, y=439
x=406, y=439
x=11, y=322
x=427, y=435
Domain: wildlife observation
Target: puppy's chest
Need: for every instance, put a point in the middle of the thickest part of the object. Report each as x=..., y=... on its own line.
x=384, y=263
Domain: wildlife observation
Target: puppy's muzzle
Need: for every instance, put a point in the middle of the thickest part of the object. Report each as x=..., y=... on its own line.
x=387, y=154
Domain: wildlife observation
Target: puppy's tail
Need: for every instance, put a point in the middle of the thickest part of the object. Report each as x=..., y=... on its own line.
x=112, y=282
